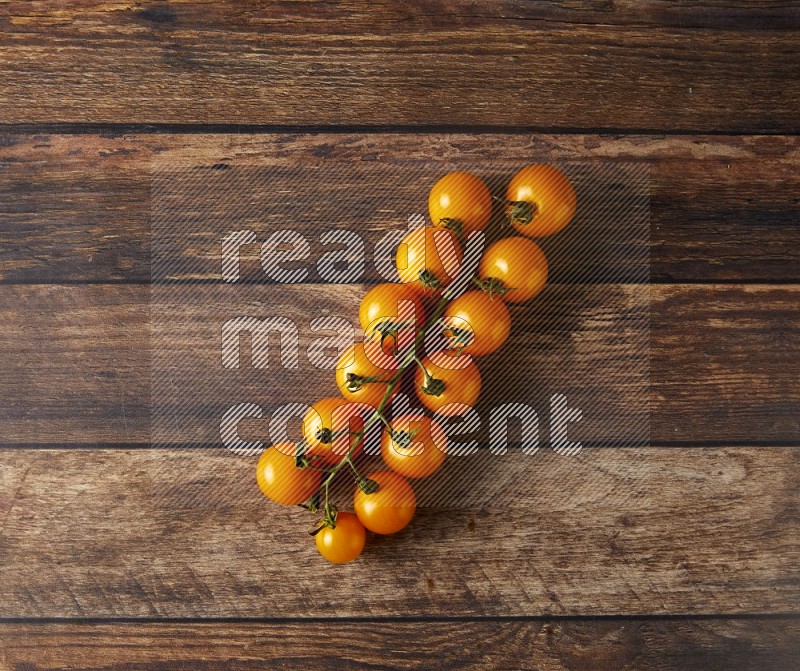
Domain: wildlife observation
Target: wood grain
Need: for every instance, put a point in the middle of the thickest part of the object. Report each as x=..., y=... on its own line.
x=689, y=545
x=673, y=645
x=722, y=358
x=78, y=208
x=548, y=65
x=185, y=533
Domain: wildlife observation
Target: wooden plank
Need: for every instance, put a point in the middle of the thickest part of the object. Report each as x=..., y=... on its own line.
x=518, y=64
x=78, y=208
x=94, y=340
x=186, y=533
x=722, y=358
x=647, y=645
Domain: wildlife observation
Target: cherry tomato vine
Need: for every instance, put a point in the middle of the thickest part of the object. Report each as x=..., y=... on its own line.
x=539, y=201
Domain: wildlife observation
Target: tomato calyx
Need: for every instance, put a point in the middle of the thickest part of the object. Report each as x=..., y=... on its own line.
x=300, y=458
x=520, y=212
x=303, y=460
x=328, y=519
x=433, y=386
x=459, y=338
x=390, y=329
x=403, y=438
x=367, y=486
x=492, y=286
x=324, y=436
x=454, y=225
x=356, y=382
x=428, y=280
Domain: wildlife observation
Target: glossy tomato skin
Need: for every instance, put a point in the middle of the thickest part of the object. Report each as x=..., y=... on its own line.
x=324, y=436
x=428, y=259
x=462, y=201
x=395, y=304
x=517, y=262
x=486, y=316
x=458, y=385
x=280, y=480
x=552, y=194
x=344, y=542
x=360, y=360
x=390, y=508
x=420, y=452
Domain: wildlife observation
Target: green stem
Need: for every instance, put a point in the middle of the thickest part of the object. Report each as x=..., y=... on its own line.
x=354, y=469
x=422, y=366
x=385, y=421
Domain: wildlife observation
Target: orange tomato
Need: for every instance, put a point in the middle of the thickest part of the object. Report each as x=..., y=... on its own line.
x=460, y=202
x=541, y=200
x=388, y=509
x=359, y=378
x=478, y=319
x=518, y=264
x=428, y=258
x=327, y=426
x=392, y=313
x=415, y=446
x=280, y=480
x=446, y=386
x=342, y=542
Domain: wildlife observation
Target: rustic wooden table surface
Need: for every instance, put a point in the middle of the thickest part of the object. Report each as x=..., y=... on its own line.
x=702, y=572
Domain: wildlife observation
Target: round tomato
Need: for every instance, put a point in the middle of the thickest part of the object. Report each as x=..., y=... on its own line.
x=279, y=478
x=328, y=426
x=360, y=378
x=343, y=541
x=540, y=200
x=390, y=507
x=515, y=268
x=477, y=323
x=415, y=446
x=447, y=385
x=391, y=314
x=460, y=202
x=428, y=258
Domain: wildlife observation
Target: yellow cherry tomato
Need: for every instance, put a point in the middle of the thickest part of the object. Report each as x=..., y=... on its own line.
x=414, y=447
x=360, y=378
x=428, y=259
x=328, y=426
x=446, y=384
x=460, y=202
x=342, y=542
x=279, y=478
x=391, y=313
x=390, y=507
x=541, y=200
x=514, y=268
x=477, y=323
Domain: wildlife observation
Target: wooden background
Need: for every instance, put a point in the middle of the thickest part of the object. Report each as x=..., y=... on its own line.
x=701, y=573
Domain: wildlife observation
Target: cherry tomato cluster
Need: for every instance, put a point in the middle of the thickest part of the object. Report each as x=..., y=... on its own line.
x=539, y=201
